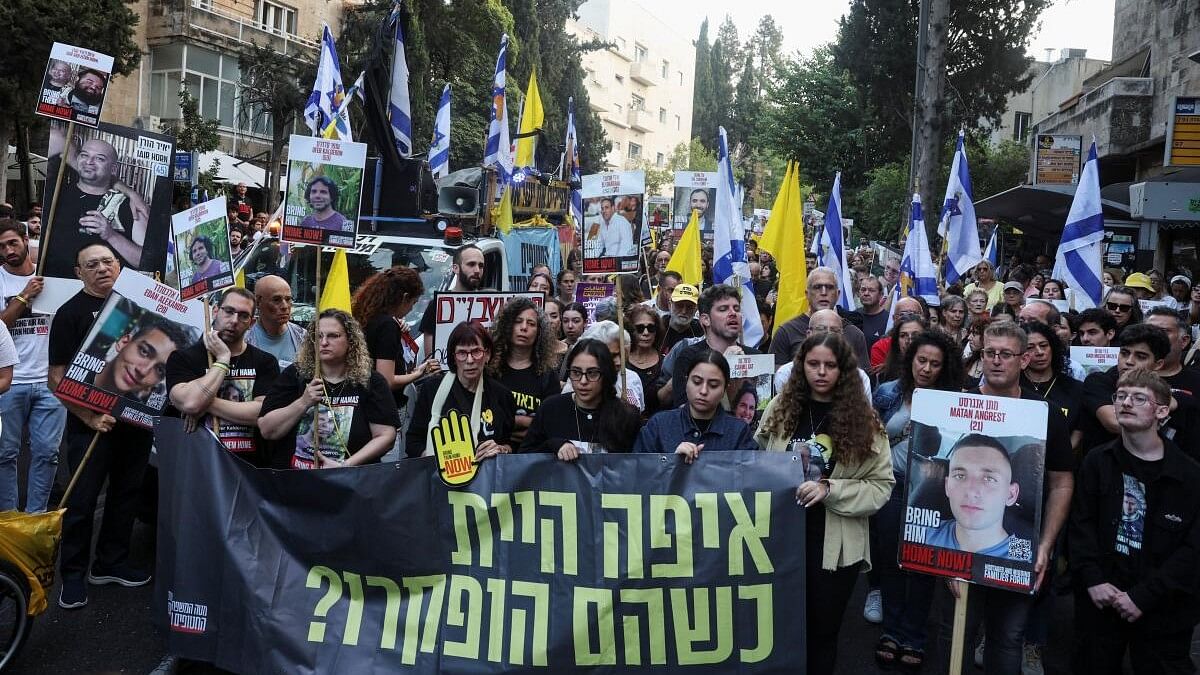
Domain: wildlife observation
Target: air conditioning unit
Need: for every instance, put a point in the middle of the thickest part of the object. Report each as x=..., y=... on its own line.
x=149, y=123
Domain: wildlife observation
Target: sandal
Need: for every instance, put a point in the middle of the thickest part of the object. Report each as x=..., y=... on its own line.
x=910, y=660
x=886, y=652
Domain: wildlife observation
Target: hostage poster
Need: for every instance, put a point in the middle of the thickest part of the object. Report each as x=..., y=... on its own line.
x=973, y=510
x=120, y=368
x=592, y=293
x=202, y=254
x=324, y=189
x=75, y=84
x=695, y=190
x=612, y=221
x=116, y=190
x=451, y=309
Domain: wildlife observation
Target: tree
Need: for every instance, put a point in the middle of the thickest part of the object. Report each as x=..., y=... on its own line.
x=703, y=112
x=722, y=88
x=747, y=108
x=192, y=133
x=272, y=94
x=731, y=45
x=766, y=48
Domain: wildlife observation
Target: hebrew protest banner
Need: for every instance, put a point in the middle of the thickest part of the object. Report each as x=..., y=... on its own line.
x=75, y=84
x=612, y=221
x=324, y=190
x=592, y=293
x=526, y=247
x=613, y=563
x=481, y=307
x=1093, y=359
x=203, y=258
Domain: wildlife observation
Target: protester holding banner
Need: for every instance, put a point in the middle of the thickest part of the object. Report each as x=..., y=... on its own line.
x=467, y=390
x=592, y=418
x=642, y=323
x=824, y=415
x=701, y=422
x=524, y=360
x=356, y=414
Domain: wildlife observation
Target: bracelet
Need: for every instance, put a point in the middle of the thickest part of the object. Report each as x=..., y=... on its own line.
x=222, y=366
x=22, y=298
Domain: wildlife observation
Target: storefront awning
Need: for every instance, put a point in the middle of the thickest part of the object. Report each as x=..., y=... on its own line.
x=1040, y=211
x=232, y=170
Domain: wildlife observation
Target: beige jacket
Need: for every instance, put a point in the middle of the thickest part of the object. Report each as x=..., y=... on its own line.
x=856, y=492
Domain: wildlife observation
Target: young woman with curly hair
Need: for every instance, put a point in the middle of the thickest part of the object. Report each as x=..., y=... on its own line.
x=356, y=412
x=524, y=359
x=823, y=412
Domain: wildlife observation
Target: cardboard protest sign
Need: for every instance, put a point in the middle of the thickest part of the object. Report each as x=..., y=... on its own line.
x=324, y=190
x=120, y=368
x=973, y=507
x=750, y=384
x=75, y=84
x=591, y=293
x=116, y=190
x=695, y=190
x=527, y=247
x=481, y=307
x=202, y=253
x=1095, y=358
x=612, y=221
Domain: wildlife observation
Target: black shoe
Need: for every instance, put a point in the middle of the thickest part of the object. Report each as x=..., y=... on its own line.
x=73, y=593
x=121, y=575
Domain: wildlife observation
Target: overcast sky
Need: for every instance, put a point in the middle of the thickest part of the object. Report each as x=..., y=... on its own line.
x=1068, y=23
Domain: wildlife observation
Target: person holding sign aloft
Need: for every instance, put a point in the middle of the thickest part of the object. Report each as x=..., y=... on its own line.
x=825, y=416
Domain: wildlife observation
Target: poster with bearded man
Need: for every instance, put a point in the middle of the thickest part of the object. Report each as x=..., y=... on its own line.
x=116, y=191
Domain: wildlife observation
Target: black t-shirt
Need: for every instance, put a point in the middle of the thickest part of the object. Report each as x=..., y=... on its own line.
x=813, y=429
x=66, y=237
x=648, y=376
x=529, y=389
x=683, y=363
x=345, y=422
x=874, y=326
x=426, y=326
x=1096, y=393
x=1185, y=387
x=672, y=336
x=559, y=421
x=1058, y=438
x=497, y=411
x=70, y=326
x=251, y=375
x=1062, y=393
x=386, y=342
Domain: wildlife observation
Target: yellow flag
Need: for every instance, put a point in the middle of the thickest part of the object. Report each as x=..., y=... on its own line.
x=336, y=294
x=783, y=238
x=686, y=258
x=239, y=277
x=532, y=116
x=503, y=215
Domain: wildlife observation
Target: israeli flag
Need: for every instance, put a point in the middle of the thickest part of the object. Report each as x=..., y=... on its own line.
x=571, y=170
x=399, y=109
x=990, y=253
x=439, y=150
x=1079, y=257
x=498, y=151
x=833, y=244
x=891, y=322
x=327, y=92
x=917, y=262
x=958, y=225
x=729, y=244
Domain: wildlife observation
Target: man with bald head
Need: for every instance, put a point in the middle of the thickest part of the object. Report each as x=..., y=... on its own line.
x=821, y=321
x=822, y=292
x=274, y=331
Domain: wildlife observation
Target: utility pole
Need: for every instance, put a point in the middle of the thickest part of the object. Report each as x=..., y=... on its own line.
x=918, y=93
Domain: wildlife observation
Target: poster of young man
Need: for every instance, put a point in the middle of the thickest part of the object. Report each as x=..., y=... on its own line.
x=202, y=255
x=695, y=190
x=612, y=221
x=324, y=190
x=481, y=307
x=121, y=367
x=75, y=83
x=116, y=190
x=975, y=472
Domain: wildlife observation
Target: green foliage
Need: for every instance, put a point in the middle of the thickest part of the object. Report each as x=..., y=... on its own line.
x=703, y=112
x=195, y=133
x=347, y=178
x=271, y=90
x=692, y=156
x=883, y=203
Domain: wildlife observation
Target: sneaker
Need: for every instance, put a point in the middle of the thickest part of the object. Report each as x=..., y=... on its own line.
x=121, y=575
x=979, y=654
x=73, y=594
x=1032, y=663
x=873, y=608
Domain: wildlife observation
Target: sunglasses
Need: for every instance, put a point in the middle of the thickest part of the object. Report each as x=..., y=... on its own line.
x=645, y=328
x=1118, y=307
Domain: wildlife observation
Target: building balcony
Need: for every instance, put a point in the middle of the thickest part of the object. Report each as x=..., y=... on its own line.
x=641, y=120
x=214, y=22
x=1117, y=111
x=643, y=73
x=615, y=118
x=598, y=96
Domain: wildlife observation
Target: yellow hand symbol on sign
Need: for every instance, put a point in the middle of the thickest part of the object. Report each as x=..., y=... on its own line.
x=454, y=448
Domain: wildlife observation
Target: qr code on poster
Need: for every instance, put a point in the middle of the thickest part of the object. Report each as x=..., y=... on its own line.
x=1020, y=549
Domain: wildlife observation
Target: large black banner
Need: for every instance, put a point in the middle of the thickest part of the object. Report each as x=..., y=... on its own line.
x=615, y=563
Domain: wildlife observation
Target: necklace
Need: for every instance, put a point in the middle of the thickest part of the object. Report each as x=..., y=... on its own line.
x=816, y=426
x=588, y=413
x=696, y=423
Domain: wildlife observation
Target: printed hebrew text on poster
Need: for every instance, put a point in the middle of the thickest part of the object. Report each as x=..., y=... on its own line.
x=1095, y=359
x=695, y=190
x=75, y=84
x=116, y=190
x=203, y=259
x=324, y=190
x=451, y=309
x=973, y=506
x=120, y=368
x=592, y=293
x=612, y=221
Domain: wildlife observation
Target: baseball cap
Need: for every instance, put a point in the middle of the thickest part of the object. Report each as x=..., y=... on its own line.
x=1139, y=280
x=685, y=292
x=1014, y=286
x=1180, y=277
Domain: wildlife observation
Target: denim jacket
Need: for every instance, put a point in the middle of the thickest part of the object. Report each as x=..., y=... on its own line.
x=887, y=400
x=666, y=430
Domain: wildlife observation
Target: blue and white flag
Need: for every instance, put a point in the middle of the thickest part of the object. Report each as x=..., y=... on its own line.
x=729, y=244
x=891, y=322
x=498, y=151
x=958, y=226
x=399, y=109
x=327, y=92
x=917, y=262
x=1079, y=257
x=990, y=253
x=439, y=150
x=833, y=244
x=571, y=171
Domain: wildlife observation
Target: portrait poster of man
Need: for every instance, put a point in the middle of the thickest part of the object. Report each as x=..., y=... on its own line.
x=120, y=368
x=612, y=221
x=695, y=190
x=75, y=83
x=324, y=190
x=975, y=477
x=116, y=190
x=202, y=255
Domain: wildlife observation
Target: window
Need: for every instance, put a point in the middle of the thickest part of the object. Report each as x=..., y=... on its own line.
x=635, y=151
x=639, y=53
x=662, y=115
x=659, y=160
x=637, y=103
x=276, y=18
x=620, y=78
x=210, y=77
x=666, y=69
x=1021, y=124
x=678, y=123
x=681, y=78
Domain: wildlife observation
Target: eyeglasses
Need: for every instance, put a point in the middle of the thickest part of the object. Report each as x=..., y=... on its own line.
x=95, y=263
x=577, y=375
x=241, y=316
x=1118, y=307
x=469, y=354
x=645, y=328
x=1004, y=355
x=1134, y=399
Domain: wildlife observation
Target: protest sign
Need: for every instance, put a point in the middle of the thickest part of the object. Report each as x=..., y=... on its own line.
x=116, y=190
x=1094, y=359
x=612, y=221
x=973, y=509
x=119, y=369
x=75, y=84
x=612, y=563
x=324, y=189
x=750, y=384
x=1148, y=305
x=452, y=308
x=526, y=247
x=592, y=293
x=202, y=254
x=695, y=190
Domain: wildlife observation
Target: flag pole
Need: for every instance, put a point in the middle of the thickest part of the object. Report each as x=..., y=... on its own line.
x=958, y=636
x=62, y=168
x=207, y=298
x=621, y=325
x=316, y=430
x=87, y=455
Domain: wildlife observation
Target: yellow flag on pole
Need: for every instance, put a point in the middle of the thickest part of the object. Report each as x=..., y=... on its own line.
x=783, y=238
x=503, y=213
x=336, y=294
x=532, y=117
x=686, y=258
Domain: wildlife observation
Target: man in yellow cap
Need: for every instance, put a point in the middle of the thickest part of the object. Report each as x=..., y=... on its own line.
x=682, y=322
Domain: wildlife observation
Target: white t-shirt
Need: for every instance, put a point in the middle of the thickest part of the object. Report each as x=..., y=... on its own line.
x=616, y=237
x=29, y=338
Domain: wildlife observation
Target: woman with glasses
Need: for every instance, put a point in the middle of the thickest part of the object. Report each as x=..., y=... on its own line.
x=701, y=423
x=1122, y=303
x=612, y=336
x=468, y=390
x=523, y=359
x=985, y=280
x=824, y=414
x=590, y=419
x=932, y=361
x=347, y=400
x=643, y=325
